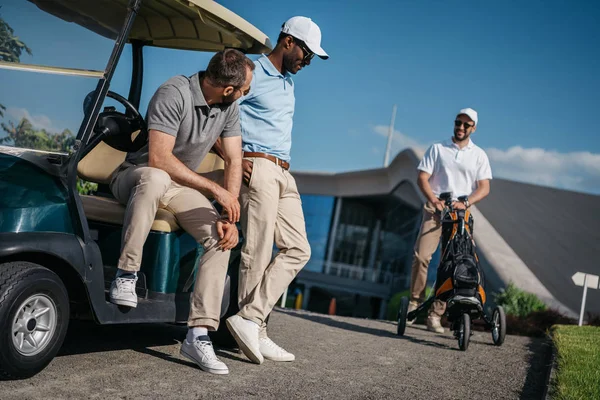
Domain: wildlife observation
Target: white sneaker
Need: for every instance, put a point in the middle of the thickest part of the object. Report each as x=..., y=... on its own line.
x=122, y=292
x=434, y=325
x=202, y=353
x=272, y=352
x=411, y=307
x=245, y=334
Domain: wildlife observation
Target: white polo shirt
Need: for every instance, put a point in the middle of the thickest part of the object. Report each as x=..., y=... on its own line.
x=454, y=169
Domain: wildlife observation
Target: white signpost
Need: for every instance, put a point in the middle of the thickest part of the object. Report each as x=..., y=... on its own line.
x=587, y=281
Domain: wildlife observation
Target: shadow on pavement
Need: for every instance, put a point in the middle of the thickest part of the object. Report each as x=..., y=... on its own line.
x=326, y=320
x=540, y=357
x=88, y=337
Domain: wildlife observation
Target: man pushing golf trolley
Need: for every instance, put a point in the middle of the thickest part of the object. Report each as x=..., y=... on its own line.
x=453, y=175
x=460, y=281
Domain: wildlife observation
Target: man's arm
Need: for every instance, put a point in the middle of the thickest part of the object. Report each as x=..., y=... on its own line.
x=161, y=156
x=483, y=189
x=423, y=182
x=232, y=155
x=218, y=148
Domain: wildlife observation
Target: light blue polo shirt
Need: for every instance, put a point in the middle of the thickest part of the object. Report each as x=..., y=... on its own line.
x=266, y=113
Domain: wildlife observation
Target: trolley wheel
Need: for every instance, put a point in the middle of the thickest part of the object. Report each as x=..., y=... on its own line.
x=402, y=311
x=498, y=325
x=464, y=332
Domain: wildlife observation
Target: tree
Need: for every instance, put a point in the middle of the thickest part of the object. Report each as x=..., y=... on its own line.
x=11, y=47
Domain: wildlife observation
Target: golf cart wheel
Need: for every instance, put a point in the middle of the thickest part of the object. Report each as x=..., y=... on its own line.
x=498, y=325
x=34, y=315
x=464, y=332
x=402, y=311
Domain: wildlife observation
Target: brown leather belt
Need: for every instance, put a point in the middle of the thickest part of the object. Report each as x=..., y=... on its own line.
x=283, y=164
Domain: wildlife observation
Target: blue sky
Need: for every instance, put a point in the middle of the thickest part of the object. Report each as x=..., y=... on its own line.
x=528, y=68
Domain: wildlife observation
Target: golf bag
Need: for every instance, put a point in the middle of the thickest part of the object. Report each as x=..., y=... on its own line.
x=459, y=272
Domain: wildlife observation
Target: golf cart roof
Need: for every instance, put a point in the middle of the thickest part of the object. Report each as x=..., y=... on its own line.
x=200, y=25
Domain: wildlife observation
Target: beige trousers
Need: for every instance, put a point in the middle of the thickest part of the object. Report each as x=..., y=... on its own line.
x=427, y=242
x=271, y=211
x=143, y=190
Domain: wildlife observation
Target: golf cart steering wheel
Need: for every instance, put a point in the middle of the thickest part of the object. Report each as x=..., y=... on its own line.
x=117, y=128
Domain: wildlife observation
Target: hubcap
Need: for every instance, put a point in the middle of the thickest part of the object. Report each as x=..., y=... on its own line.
x=496, y=322
x=34, y=324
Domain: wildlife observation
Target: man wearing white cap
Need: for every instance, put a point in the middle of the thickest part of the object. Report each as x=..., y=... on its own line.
x=271, y=206
x=456, y=165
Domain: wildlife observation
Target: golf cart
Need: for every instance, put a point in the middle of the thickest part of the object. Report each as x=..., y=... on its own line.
x=59, y=248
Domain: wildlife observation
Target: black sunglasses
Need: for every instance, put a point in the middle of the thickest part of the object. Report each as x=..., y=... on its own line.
x=467, y=125
x=308, y=55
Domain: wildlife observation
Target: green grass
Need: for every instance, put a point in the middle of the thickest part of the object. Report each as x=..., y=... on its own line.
x=578, y=359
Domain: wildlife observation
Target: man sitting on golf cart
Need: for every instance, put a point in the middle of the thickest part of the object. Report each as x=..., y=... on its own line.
x=185, y=117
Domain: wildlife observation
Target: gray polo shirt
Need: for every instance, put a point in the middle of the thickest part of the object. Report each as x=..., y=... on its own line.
x=178, y=108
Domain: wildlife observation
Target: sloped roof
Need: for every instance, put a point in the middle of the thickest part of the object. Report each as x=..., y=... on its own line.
x=555, y=232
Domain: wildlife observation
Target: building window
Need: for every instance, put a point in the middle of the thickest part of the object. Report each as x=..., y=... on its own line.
x=318, y=214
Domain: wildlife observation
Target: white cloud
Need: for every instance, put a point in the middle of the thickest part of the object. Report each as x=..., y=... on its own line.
x=37, y=121
x=400, y=141
x=575, y=170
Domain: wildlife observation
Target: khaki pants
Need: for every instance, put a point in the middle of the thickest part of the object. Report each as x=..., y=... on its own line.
x=143, y=190
x=427, y=242
x=271, y=210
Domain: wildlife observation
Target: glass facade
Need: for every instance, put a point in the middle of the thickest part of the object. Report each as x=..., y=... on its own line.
x=318, y=214
x=373, y=239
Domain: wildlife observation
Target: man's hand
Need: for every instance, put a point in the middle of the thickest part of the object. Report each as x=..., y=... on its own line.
x=439, y=205
x=228, y=233
x=459, y=205
x=247, y=170
x=229, y=202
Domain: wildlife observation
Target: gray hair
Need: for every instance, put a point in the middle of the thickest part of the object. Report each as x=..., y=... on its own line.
x=228, y=68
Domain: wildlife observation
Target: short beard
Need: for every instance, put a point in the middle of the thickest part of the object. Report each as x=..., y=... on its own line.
x=461, y=140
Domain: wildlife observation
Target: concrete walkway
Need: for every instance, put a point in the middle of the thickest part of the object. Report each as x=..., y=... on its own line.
x=336, y=358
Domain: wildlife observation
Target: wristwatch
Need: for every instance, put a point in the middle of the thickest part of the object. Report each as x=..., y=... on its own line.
x=466, y=202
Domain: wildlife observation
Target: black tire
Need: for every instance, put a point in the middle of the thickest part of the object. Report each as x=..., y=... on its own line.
x=402, y=312
x=29, y=287
x=464, y=334
x=499, y=325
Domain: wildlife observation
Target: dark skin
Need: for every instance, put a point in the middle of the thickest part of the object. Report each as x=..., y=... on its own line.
x=290, y=56
x=461, y=138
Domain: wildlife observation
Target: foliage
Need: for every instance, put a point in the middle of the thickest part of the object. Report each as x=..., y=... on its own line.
x=26, y=136
x=394, y=303
x=85, y=187
x=578, y=358
x=11, y=47
x=517, y=302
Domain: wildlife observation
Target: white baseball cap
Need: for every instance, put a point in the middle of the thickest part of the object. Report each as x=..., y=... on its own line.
x=469, y=112
x=304, y=29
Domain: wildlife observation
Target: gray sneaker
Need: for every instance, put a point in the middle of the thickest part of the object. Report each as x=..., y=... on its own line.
x=122, y=292
x=202, y=353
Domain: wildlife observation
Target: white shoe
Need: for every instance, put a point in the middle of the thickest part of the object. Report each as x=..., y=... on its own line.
x=245, y=334
x=411, y=307
x=122, y=292
x=202, y=353
x=272, y=352
x=434, y=325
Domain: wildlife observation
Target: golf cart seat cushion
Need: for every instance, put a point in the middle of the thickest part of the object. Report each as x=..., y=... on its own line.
x=212, y=162
x=100, y=164
x=103, y=209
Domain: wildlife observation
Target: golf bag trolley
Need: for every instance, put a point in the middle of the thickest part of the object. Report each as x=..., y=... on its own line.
x=459, y=282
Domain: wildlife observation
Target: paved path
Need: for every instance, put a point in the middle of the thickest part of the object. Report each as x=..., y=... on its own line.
x=336, y=358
